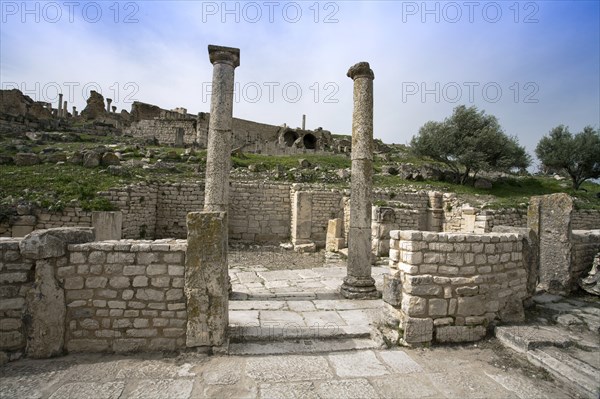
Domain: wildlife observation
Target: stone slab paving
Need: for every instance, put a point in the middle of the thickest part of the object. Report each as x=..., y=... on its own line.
x=468, y=372
x=317, y=283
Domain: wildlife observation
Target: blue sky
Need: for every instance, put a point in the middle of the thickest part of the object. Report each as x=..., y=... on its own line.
x=533, y=65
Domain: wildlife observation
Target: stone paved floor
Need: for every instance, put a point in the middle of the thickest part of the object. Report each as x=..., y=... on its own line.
x=318, y=283
x=300, y=299
x=468, y=372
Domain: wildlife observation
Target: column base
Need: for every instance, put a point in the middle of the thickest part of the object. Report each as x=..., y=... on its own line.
x=359, y=288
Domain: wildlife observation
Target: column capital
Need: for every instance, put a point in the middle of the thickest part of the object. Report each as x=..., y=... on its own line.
x=360, y=70
x=227, y=55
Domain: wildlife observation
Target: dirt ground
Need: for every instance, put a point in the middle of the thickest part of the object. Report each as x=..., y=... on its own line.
x=276, y=258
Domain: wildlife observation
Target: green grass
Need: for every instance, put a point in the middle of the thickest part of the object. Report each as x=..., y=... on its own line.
x=507, y=193
x=53, y=186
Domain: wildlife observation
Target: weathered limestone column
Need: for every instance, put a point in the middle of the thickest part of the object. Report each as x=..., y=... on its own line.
x=74, y=111
x=65, y=112
x=359, y=284
x=303, y=122
x=218, y=162
x=60, y=103
x=114, y=109
x=108, y=101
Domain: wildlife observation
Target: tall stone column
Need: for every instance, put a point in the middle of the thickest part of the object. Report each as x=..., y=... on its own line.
x=65, y=112
x=60, y=103
x=218, y=162
x=108, y=101
x=359, y=284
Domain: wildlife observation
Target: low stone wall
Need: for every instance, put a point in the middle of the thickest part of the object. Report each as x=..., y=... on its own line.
x=259, y=212
x=586, y=244
x=165, y=130
x=125, y=296
x=586, y=219
x=61, y=291
x=325, y=205
x=449, y=287
x=138, y=203
x=16, y=277
x=38, y=219
x=507, y=217
x=173, y=202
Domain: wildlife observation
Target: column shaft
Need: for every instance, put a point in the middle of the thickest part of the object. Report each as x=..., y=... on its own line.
x=359, y=284
x=218, y=161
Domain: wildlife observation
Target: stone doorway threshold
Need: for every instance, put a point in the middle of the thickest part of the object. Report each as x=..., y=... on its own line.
x=299, y=311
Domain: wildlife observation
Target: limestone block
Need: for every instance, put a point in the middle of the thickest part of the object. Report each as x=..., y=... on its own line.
x=392, y=289
x=471, y=306
x=417, y=330
x=53, y=242
x=46, y=308
x=459, y=333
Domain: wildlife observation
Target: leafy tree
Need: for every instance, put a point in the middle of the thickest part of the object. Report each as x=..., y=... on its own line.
x=468, y=142
x=578, y=155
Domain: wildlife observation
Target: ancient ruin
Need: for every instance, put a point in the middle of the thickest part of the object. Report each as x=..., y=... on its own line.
x=357, y=268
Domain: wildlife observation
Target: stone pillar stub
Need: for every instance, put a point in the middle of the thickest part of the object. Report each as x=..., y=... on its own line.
x=218, y=162
x=108, y=101
x=549, y=218
x=358, y=284
x=206, y=283
x=301, y=217
x=45, y=301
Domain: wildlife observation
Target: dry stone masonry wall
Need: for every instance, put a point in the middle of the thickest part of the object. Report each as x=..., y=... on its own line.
x=16, y=276
x=586, y=244
x=449, y=287
x=125, y=296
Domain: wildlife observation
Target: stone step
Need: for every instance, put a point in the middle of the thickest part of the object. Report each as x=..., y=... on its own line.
x=302, y=346
x=565, y=367
x=524, y=338
x=242, y=334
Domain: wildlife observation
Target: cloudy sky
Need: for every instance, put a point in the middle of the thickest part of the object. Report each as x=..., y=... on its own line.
x=533, y=65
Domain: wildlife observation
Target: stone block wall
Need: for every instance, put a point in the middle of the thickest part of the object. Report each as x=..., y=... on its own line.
x=164, y=130
x=325, y=205
x=38, y=219
x=62, y=291
x=586, y=244
x=138, y=202
x=449, y=287
x=259, y=212
x=586, y=219
x=244, y=131
x=124, y=296
x=507, y=217
x=16, y=277
x=173, y=202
